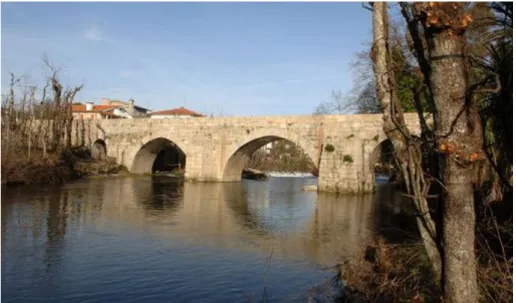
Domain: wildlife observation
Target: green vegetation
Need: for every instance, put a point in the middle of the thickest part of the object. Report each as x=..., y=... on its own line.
x=329, y=148
x=347, y=159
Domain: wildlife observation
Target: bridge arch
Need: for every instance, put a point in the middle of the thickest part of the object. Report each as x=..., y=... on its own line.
x=242, y=151
x=159, y=154
x=98, y=150
x=381, y=162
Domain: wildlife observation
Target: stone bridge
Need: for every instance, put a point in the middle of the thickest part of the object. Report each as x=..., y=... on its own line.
x=343, y=147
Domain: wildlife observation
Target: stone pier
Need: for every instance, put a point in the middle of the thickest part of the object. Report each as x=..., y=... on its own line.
x=216, y=148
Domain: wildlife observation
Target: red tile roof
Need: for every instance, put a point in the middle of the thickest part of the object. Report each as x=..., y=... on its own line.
x=178, y=112
x=96, y=108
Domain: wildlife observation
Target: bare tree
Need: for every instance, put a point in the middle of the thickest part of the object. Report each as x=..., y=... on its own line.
x=406, y=148
x=63, y=100
x=20, y=130
x=31, y=119
x=337, y=105
x=437, y=31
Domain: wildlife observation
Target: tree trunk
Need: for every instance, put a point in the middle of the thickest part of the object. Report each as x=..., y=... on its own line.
x=457, y=125
x=407, y=153
x=44, y=144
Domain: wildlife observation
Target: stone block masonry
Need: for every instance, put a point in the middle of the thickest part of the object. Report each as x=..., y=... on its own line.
x=216, y=148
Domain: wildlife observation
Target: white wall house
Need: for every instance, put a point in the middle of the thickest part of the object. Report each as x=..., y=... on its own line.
x=121, y=112
x=267, y=147
x=109, y=109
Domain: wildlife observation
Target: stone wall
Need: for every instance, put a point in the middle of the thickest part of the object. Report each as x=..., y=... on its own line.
x=216, y=147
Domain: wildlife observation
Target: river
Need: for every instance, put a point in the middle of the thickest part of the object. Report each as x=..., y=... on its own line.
x=157, y=239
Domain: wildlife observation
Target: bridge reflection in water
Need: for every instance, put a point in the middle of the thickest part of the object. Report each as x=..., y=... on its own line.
x=102, y=221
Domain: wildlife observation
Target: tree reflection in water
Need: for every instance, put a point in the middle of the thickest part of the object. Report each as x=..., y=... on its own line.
x=116, y=228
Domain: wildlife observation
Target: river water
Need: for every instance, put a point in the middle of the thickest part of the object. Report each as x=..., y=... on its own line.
x=157, y=239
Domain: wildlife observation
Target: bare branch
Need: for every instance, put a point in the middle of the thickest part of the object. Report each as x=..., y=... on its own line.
x=367, y=6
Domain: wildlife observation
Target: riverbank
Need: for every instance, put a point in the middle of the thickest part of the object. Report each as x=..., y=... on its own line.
x=395, y=266
x=76, y=163
x=52, y=169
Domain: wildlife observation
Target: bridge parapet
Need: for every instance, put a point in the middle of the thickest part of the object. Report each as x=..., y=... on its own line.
x=217, y=147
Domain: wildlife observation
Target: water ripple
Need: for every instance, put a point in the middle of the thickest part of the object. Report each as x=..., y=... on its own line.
x=156, y=239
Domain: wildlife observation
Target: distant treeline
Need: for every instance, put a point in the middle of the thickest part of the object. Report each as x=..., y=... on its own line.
x=284, y=156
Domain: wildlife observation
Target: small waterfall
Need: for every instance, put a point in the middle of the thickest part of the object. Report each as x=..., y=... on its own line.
x=276, y=174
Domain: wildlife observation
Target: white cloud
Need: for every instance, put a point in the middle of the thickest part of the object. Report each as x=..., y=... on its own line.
x=94, y=33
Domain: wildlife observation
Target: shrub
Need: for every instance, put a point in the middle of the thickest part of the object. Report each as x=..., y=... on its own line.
x=329, y=148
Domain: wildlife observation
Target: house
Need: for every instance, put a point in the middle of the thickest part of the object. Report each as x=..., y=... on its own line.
x=92, y=111
x=175, y=113
x=109, y=109
x=127, y=109
x=267, y=147
x=281, y=146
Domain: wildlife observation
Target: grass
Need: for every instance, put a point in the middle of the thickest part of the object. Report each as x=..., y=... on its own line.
x=389, y=273
x=401, y=272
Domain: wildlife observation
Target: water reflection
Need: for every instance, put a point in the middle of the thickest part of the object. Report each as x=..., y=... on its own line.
x=166, y=194
x=398, y=226
x=115, y=232
x=237, y=198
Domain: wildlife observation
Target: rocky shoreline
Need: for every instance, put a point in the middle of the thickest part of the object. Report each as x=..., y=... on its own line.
x=74, y=164
x=69, y=165
x=253, y=174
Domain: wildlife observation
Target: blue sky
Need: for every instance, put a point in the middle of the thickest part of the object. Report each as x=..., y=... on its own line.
x=229, y=58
